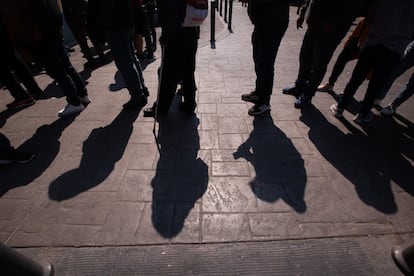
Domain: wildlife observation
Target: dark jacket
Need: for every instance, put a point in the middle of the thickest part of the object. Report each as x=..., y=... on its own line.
x=268, y=12
x=115, y=14
x=332, y=15
x=171, y=14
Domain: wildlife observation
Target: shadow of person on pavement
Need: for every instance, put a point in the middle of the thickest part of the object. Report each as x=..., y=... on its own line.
x=279, y=167
x=101, y=150
x=393, y=137
x=355, y=156
x=181, y=177
x=45, y=144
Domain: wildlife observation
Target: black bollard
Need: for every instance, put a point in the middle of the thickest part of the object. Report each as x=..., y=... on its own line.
x=15, y=263
x=213, y=24
x=404, y=258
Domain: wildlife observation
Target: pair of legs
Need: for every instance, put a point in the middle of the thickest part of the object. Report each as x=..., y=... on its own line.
x=317, y=49
x=122, y=48
x=11, y=61
x=381, y=62
x=51, y=53
x=348, y=53
x=179, y=60
x=265, y=41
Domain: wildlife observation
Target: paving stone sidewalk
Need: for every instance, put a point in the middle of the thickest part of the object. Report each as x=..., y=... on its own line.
x=221, y=176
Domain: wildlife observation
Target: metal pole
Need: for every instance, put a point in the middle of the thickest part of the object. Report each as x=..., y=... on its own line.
x=230, y=16
x=14, y=263
x=213, y=24
x=225, y=11
x=221, y=7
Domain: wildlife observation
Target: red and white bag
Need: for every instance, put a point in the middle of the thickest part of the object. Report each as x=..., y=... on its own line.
x=196, y=13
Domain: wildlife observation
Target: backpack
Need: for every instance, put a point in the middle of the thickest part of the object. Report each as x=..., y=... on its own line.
x=196, y=12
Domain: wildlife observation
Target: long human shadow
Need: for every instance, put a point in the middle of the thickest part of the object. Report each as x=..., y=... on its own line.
x=101, y=150
x=356, y=156
x=279, y=167
x=45, y=144
x=6, y=114
x=181, y=176
x=393, y=137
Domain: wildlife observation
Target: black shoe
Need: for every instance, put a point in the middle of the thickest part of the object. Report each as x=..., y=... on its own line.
x=303, y=102
x=251, y=97
x=294, y=91
x=16, y=157
x=135, y=102
x=259, y=109
x=188, y=108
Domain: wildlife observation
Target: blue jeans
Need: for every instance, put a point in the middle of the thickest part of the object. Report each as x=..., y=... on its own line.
x=405, y=63
x=316, y=51
x=381, y=62
x=122, y=48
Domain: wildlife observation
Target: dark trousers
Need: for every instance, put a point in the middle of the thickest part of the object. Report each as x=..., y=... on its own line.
x=349, y=52
x=266, y=41
x=381, y=62
x=317, y=49
x=51, y=53
x=10, y=60
x=179, y=60
x=405, y=93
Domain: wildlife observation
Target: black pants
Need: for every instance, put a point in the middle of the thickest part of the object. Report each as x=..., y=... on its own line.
x=266, y=41
x=52, y=54
x=382, y=62
x=349, y=52
x=316, y=51
x=10, y=60
x=179, y=60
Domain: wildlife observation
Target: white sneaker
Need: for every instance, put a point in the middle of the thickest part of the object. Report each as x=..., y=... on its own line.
x=327, y=87
x=336, y=111
x=388, y=110
x=70, y=109
x=85, y=100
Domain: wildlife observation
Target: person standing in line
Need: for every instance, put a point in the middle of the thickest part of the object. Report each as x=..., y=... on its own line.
x=179, y=45
x=117, y=21
x=10, y=60
x=38, y=28
x=391, y=26
x=328, y=22
x=270, y=19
